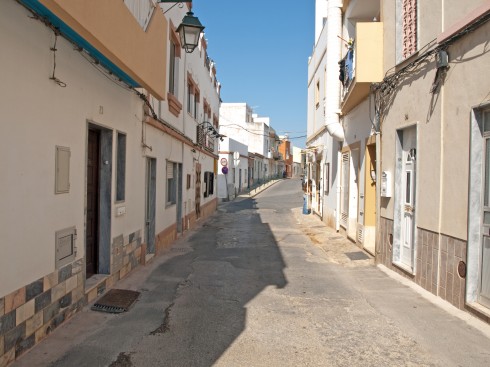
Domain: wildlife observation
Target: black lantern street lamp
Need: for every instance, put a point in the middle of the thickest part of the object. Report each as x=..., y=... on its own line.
x=190, y=32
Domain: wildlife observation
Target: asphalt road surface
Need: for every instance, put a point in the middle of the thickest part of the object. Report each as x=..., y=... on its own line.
x=260, y=284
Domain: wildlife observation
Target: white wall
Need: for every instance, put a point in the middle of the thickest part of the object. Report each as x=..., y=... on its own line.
x=37, y=116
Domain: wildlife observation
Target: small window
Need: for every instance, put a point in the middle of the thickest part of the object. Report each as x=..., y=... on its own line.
x=172, y=69
x=188, y=186
x=62, y=167
x=121, y=167
x=208, y=184
x=171, y=183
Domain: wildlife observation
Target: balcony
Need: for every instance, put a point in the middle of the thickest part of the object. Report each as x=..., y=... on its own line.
x=132, y=48
x=362, y=65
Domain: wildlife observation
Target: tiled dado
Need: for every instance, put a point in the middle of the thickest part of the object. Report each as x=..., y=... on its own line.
x=30, y=313
x=437, y=259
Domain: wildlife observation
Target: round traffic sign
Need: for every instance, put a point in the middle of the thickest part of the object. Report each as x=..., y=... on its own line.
x=224, y=161
x=224, y=170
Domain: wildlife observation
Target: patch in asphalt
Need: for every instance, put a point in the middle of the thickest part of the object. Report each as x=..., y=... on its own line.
x=164, y=327
x=123, y=360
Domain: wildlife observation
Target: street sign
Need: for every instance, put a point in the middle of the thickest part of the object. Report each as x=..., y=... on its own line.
x=224, y=170
x=224, y=161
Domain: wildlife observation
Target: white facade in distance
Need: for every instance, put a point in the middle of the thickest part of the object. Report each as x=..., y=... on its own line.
x=234, y=156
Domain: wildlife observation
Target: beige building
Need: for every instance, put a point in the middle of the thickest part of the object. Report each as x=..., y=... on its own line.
x=104, y=154
x=433, y=172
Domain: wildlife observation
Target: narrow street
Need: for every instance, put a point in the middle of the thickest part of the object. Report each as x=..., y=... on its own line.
x=261, y=284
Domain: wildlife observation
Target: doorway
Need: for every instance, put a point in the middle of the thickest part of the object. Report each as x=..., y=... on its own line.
x=92, y=216
x=405, y=198
x=151, y=179
x=98, y=184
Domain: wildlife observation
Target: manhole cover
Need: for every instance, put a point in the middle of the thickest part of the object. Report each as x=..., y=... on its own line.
x=116, y=301
x=358, y=255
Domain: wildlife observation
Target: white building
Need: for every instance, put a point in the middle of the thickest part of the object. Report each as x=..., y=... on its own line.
x=103, y=167
x=234, y=170
x=341, y=136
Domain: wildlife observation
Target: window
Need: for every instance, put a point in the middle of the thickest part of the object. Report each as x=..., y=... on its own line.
x=142, y=11
x=171, y=183
x=317, y=94
x=172, y=64
x=121, y=167
x=188, y=186
x=208, y=184
x=196, y=105
x=189, y=98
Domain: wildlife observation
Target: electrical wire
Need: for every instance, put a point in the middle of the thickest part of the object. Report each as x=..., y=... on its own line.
x=385, y=91
x=54, y=49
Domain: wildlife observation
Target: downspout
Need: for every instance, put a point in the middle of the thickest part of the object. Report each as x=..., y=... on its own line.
x=337, y=214
x=334, y=54
x=332, y=88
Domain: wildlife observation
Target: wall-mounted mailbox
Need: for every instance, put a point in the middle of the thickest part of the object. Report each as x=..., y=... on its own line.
x=386, y=184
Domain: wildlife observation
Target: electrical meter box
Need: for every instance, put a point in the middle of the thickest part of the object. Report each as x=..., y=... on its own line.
x=386, y=184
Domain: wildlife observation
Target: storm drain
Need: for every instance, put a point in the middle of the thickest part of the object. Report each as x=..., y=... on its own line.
x=116, y=301
x=357, y=255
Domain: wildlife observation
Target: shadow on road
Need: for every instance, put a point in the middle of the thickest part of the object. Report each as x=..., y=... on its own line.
x=234, y=258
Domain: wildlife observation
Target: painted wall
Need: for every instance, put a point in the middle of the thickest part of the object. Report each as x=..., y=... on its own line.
x=121, y=39
x=31, y=212
x=442, y=120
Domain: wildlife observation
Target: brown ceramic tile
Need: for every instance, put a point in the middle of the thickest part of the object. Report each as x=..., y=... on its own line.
x=449, y=287
x=442, y=292
x=24, y=312
x=58, y=291
x=450, y=246
x=50, y=280
x=443, y=243
x=42, y=332
x=71, y=283
x=15, y=299
x=7, y=358
x=34, y=323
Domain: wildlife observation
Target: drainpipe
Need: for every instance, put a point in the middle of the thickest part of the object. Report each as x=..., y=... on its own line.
x=339, y=182
x=334, y=54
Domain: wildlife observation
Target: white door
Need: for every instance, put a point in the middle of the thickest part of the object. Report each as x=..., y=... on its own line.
x=409, y=149
x=485, y=255
x=353, y=193
x=344, y=190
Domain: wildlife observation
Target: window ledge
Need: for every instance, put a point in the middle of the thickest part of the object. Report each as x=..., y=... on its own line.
x=174, y=106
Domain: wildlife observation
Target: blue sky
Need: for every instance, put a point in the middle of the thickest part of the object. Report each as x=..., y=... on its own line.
x=261, y=51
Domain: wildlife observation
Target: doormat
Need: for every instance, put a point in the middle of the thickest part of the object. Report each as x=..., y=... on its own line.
x=116, y=301
x=357, y=255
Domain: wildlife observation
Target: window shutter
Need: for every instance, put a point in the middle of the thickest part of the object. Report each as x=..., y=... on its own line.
x=170, y=170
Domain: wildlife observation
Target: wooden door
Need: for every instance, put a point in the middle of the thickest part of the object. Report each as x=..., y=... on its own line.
x=92, y=230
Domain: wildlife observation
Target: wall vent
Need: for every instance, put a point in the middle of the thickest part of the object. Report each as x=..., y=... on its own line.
x=66, y=249
x=360, y=234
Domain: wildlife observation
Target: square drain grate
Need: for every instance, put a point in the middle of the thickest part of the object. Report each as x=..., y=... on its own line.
x=357, y=255
x=116, y=301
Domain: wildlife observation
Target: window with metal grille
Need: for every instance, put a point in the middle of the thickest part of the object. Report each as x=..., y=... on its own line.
x=171, y=182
